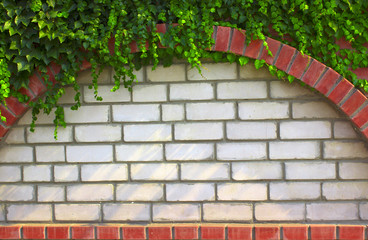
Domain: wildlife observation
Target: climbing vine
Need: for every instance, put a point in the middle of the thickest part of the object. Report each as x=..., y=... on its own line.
x=35, y=33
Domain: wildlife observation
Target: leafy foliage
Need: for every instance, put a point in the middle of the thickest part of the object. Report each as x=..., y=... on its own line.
x=34, y=33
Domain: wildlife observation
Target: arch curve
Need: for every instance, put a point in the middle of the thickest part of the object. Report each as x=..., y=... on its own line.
x=284, y=57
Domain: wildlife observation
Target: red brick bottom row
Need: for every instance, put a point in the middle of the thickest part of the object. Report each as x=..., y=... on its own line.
x=186, y=232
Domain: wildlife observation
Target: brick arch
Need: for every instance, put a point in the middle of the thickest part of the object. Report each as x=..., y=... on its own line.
x=286, y=58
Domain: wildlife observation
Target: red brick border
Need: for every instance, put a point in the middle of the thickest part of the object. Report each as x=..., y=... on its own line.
x=180, y=231
x=312, y=72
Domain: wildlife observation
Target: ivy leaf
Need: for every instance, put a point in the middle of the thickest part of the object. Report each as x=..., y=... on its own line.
x=22, y=64
x=258, y=63
x=231, y=57
x=243, y=60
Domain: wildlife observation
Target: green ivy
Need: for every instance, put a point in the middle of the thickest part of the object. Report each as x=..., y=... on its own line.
x=34, y=33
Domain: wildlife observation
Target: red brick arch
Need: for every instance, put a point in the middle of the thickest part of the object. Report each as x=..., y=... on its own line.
x=286, y=58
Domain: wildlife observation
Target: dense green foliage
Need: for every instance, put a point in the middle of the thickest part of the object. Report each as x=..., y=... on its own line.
x=34, y=33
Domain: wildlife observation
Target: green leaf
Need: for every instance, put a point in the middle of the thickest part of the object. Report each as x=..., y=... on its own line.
x=243, y=60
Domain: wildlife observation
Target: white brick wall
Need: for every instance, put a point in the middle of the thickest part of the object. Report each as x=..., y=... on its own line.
x=236, y=146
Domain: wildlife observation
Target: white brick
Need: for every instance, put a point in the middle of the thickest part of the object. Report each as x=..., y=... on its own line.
x=332, y=211
x=10, y=154
x=138, y=73
x=172, y=112
x=256, y=170
x=205, y=171
x=46, y=135
x=50, y=153
x=250, y=72
x=294, y=190
x=227, y=212
x=120, y=95
x=363, y=209
x=188, y=151
x=279, y=211
x=68, y=96
x=42, y=118
x=16, y=135
x=242, y=90
x=38, y=173
x=10, y=173
x=16, y=192
x=90, y=192
x=190, y=192
x=313, y=110
x=139, y=152
x=213, y=71
x=176, y=212
x=77, y=212
x=192, y=91
x=139, y=192
x=210, y=111
x=87, y=114
x=305, y=130
x=68, y=173
x=98, y=133
x=294, y=150
x=2, y=213
x=86, y=76
x=104, y=172
x=310, y=170
x=149, y=93
x=173, y=73
x=344, y=130
x=241, y=151
x=136, y=113
x=126, y=212
x=263, y=110
x=353, y=170
x=147, y=133
x=345, y=190
x=251, y=130
x=51, y=194
x=343, y=150
x=281, y=89
x=199, y=131
x=89, y=153
x=242, y=191
x=30, y=212
x=151, y=171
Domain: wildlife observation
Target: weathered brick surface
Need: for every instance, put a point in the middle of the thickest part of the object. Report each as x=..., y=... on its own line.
x=239, y=146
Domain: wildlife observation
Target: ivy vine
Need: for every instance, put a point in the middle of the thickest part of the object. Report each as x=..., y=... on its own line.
x=35, y=33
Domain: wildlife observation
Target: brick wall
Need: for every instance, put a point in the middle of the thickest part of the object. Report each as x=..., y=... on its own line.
x=237, y=146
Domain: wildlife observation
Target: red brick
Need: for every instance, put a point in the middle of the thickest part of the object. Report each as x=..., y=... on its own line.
x=83, y=232
x=351, y=232
x=273, y=46
x=222, y=39
x=343, y=43
x=159, y=233
x=56, y=68
x=51, y=75
x=36, y=85
x=299, y=65
x=187, y=233
x=239, y=233
x=3, y=130
x=161, y=28
x=285, y=56
x=353, y=102
x=58, y=232
x=362, y=117
x=361, y=73
x=323, y=232
x=9, y=232
x=340, y=91
x=327, y=81
x=365, y=132
x=313, y=73
x=10, y=118
x=111, y=45
x=15, y=106
x=30, y=232
x=85, y=65
x=267, y=233
x=134, y=233
x=295, y=232
x=213, y=233
x=238, y=42
x=253, y=48
x=107, y=232
x=133, y=47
